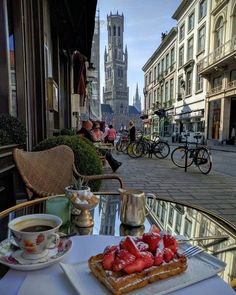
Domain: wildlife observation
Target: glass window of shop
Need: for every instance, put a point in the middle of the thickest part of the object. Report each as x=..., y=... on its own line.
x=214, y=119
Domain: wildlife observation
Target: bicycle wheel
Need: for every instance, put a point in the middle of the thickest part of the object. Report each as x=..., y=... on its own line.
x=161, y=149
x=138, y=149
x=178, y=157
x=130, y=150
x=203, y=160
x=124, y=147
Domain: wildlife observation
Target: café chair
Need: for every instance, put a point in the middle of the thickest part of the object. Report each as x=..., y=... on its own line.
x=46, y=173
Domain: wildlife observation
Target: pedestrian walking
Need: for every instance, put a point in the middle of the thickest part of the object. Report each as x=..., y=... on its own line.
x=111, y=134
x=132, y=131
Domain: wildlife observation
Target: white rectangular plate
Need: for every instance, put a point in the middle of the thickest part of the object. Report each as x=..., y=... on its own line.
x=200, y=267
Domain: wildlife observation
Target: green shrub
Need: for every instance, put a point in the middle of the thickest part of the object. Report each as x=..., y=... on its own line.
x=87, y=161
x=67, y=132
x=11, y=130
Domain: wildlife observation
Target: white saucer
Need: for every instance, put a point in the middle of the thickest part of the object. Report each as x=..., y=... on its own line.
x=11, y=255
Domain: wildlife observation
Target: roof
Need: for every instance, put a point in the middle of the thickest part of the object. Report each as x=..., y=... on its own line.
x=133, y=110
x=106, y=108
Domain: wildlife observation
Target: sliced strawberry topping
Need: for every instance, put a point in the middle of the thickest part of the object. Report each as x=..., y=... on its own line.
x=154, y=229
x=170, y=242
x=167, y=255
x=158, y=257
x=129, y=245
x=148, y=259
x=137, y=266
x=152, y=240
x=142, y=246
x=123, y=259
x=111, y=249
x=108, y=260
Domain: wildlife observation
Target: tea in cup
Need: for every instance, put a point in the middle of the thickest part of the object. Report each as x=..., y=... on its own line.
x=35, y=234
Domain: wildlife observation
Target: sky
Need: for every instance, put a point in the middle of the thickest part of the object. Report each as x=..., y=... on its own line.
x=144, y=21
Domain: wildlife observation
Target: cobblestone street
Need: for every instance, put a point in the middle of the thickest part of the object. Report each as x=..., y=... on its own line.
x=215, y=192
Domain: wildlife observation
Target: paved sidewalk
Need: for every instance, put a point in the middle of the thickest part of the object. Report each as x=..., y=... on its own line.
x=215, y=192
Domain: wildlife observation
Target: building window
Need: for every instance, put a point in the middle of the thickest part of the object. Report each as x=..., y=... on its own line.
x=167, y=63
x=233, y=75
x=162, y=93
x=201, y=39
x=109, y=30
x=146, y=80
x=171, y=89
x=172, y=56
x=158, y=70
x=217, y=82
x=162, y=66
x=199, y=83
x=189, y=81
x=191, y=22
x=202, y=9
x=219, y=32
x=190, y=49
x=155, y=96
x=118, y=31
x=181, y=32
x=150, y=77
x=114, y=30
x=178, y=223
x=166, y=91
x=155, y=74
x=181, y=56
x=163, y=213
x=115, y=53
x=149, y=100
x=187, y=228
x=171, y=216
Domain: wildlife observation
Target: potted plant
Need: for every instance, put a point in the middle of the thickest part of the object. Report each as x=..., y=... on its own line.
x=77, y=188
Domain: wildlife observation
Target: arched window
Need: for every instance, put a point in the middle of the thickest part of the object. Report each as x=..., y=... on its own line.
x=109, y=30
x=118, y=31
x=219, y=32
x=114, y=30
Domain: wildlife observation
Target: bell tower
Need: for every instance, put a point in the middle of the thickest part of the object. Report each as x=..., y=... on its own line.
x=116, y=92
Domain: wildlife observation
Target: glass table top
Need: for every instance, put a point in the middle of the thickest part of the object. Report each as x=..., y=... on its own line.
x=169, y=216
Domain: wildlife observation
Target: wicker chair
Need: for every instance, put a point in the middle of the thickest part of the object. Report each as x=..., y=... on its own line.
x=46, y=173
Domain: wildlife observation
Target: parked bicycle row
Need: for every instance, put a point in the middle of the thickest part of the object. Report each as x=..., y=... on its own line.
x=182, y=156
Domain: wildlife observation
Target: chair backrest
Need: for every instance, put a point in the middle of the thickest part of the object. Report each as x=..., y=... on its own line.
x=47, y=172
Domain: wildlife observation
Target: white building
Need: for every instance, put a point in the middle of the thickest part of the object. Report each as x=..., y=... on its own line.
x=159, y=93
x=193, y=26
x=219, y=69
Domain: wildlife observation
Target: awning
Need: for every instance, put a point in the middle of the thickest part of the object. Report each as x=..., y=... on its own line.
x=74, y=21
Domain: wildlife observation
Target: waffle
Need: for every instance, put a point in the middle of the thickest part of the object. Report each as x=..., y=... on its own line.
x=119, y=283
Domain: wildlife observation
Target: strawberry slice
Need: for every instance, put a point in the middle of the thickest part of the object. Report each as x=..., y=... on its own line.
x=152, y=240
x=129, y=245
x=142, y=246
x=170, y=242
x=158, y=257
x=137, y=266
x=154, y=229
x=148, y=259
x=167, y=255
x=108, y=260
x=123, y=259
x=111, y=249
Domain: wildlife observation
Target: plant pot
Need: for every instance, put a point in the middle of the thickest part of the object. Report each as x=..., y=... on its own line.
x=70, y=191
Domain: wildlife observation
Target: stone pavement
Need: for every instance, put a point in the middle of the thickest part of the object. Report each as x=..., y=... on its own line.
x=215, y=192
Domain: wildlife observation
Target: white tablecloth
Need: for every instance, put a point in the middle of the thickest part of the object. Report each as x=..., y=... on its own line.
x=83, y=248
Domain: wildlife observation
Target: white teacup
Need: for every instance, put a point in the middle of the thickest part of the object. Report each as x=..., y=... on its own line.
x=35, y=233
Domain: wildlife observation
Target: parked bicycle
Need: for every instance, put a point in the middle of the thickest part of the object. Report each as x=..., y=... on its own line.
x=185, y=156
x=144, y=146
